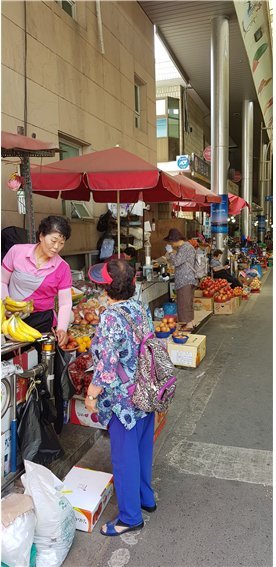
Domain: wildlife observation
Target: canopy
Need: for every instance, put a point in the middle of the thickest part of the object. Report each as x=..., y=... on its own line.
x=10, y=141
x=107, y=173
x=236, y=204
x=202, y=194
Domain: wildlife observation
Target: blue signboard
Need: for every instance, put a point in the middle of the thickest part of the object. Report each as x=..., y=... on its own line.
x=269, y=198
x=219, y=216
x=183, y=162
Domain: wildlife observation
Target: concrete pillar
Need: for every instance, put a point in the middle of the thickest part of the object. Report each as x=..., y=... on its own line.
x=220, y=125
x=247, y=164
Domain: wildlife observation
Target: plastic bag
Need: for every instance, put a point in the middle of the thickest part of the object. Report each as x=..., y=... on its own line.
x=18, y=528
x=63, y=387
x=56, y=523
x=77, y=372
x=107, y=248
x=37, y=439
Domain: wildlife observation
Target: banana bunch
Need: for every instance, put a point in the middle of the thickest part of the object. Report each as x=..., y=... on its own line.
x=18, y=330
x=14, y=306
x=3, y=312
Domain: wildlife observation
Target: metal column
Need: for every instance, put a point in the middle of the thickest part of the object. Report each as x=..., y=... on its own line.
x=247, y=164
x=220, y=124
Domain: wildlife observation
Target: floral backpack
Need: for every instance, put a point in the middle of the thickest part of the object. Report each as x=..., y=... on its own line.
x=155, y=382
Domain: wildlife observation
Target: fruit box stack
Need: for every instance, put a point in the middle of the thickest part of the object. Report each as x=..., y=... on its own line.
x=227, y=307
x=202, y=303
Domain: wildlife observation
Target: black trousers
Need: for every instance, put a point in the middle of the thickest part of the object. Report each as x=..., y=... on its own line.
x=231, y=279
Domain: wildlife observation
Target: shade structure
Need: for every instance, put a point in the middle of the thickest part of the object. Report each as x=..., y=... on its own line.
x=236, y=204
x=105, y=173
x=113, y=176
x=10, y=141
x=191, y=206
x=202, y=194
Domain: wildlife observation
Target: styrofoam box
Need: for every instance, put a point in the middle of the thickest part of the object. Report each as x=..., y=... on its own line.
x=89, y=492
x=190, y=354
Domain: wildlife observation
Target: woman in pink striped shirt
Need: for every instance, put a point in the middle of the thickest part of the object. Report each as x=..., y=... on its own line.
x=36, y=272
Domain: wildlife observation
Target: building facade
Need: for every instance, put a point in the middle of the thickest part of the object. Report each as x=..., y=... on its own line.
x=81, y=75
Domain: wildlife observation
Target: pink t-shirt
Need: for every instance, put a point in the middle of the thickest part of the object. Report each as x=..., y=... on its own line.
x=39, y=284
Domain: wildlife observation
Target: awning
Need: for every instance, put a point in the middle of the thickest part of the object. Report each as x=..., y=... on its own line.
x=10, y=141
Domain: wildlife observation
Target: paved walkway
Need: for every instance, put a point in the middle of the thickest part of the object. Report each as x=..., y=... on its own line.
x=213, y=460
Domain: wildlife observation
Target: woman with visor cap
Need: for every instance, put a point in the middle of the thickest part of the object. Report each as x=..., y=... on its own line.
x=114, y=348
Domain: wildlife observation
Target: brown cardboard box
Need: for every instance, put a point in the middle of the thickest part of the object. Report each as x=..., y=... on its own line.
x=198, y=293
x=204, y=304
x=228, y=307
x=190, y=354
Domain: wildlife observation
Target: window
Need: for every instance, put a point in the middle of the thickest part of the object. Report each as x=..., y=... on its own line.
x=74, y=209
x=161, y=107
x=79, y=210
x=140, y=104
x=137, y=110
x=162, y=128
x=68, y=6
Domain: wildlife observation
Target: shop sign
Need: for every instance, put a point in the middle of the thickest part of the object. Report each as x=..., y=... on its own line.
x=183, y=162
x=219, y=216
x=200, y=168
x=269, y=198
x=207, y=153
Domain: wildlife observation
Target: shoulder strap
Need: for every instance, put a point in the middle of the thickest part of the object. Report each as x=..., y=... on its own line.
x=129, y=319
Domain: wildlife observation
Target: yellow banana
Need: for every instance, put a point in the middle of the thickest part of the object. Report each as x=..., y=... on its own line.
x=24, y=328
x=3, y=312
x=15, y=333
x=4, y=327
x=18, y=305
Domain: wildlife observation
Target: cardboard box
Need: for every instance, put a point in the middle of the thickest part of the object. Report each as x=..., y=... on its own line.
x=160, y=420
x=204, y=304
x=228, y=307
x=89, y=492
x=27, y=360
x=190, y=354
x=79, y=415
x=198, y=293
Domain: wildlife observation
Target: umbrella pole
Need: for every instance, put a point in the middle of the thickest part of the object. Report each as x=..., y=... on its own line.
x=118, y=225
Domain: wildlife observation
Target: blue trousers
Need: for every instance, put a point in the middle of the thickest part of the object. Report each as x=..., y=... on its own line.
x=132, y=455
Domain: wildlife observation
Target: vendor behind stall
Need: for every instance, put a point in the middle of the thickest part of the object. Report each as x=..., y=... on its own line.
x=220, y=271
x=182, y=255
x=36, y=272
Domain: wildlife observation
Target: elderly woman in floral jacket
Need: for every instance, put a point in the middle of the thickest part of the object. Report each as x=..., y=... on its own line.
x=131, y=430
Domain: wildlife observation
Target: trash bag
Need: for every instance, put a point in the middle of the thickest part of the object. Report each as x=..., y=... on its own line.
x=18, y=528
x=63, y=387
x=12, y=235
x=37, y=439
x=103, y=222
x=56, y=522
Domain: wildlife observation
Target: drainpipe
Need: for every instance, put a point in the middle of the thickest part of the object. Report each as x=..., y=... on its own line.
x=100, y=25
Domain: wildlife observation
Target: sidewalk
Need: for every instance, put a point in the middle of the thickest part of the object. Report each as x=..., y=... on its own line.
x=213, y=460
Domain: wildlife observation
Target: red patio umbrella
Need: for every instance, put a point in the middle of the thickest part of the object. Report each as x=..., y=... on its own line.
x=202, y=194
x=236, y=204
x=106, y=173
x=112, y=175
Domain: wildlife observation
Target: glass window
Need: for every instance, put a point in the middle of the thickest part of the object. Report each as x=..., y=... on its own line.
x=68, y=6
x=173, y=107
x=137, y=103
x=173, y=127
x=161, y=128
x=67, y=150
x=161, y=107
